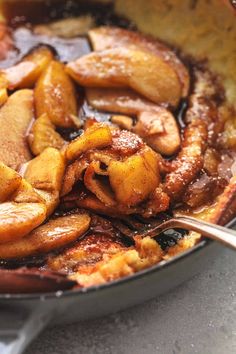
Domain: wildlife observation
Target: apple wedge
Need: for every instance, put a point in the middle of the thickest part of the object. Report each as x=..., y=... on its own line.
x=45, y=173
x=106, y=37
x=43, y=134
x=55, y=95
x=141, y=71
x=54, y=234
x=26, y=72
x=15, y=118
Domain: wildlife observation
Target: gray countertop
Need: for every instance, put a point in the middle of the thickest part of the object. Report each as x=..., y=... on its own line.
x=197, y=317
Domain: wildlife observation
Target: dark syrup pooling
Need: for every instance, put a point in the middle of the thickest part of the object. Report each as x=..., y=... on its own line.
x=31, y=12
x=22, y=16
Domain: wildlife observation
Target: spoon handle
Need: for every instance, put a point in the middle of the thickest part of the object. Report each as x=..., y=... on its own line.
x=215, y=232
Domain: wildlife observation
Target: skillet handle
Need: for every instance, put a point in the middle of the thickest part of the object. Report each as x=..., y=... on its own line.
x=19, y=325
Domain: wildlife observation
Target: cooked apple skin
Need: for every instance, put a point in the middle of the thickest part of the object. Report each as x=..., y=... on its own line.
x=28, y=70
x=43, y=135
x=54, y=234
x=15, y=118
x=55, y=95
x=141, y=71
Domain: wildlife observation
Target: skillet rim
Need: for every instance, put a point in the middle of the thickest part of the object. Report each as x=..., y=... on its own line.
x=83, y=291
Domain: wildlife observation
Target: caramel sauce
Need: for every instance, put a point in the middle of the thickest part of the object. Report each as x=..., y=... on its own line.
x=19, y=12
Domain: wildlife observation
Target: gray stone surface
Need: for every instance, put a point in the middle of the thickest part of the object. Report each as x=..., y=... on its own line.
x=197, y=317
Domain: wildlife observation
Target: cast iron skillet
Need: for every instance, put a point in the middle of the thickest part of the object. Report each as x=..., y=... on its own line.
x=23, y=316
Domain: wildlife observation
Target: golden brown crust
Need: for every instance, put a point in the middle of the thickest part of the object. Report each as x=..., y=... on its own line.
x=126, y=262
x=85, y=254
x=190, y=159
x=203, y=126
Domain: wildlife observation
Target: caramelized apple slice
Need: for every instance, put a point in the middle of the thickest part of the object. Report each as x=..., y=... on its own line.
x=133, y=179
x=91, y=202
x=43, y=135
x=123, y=122
x=73, y=174
x=166, y=137
x=111, y=37
x=15, y=118
x=97, y=136
x=25, y=193
x=159, y=130
x=18, y=219
x=54, y=234
x=3, y=96
x=99, y=188
x=45, y=173
x=9, y=182
x=127, y=163
x=21, y=208
x=26, y=73
x=46, y=170
x=144, y=72
x=55, y=95
x=3, y=82
x=123, y=101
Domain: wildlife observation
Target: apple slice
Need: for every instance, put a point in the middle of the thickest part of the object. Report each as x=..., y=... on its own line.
x=141, y=71
x=106, y=37
x=54, y=234
x=15, y=118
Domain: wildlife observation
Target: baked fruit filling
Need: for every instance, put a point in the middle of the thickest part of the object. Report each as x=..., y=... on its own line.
x=127, y=129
